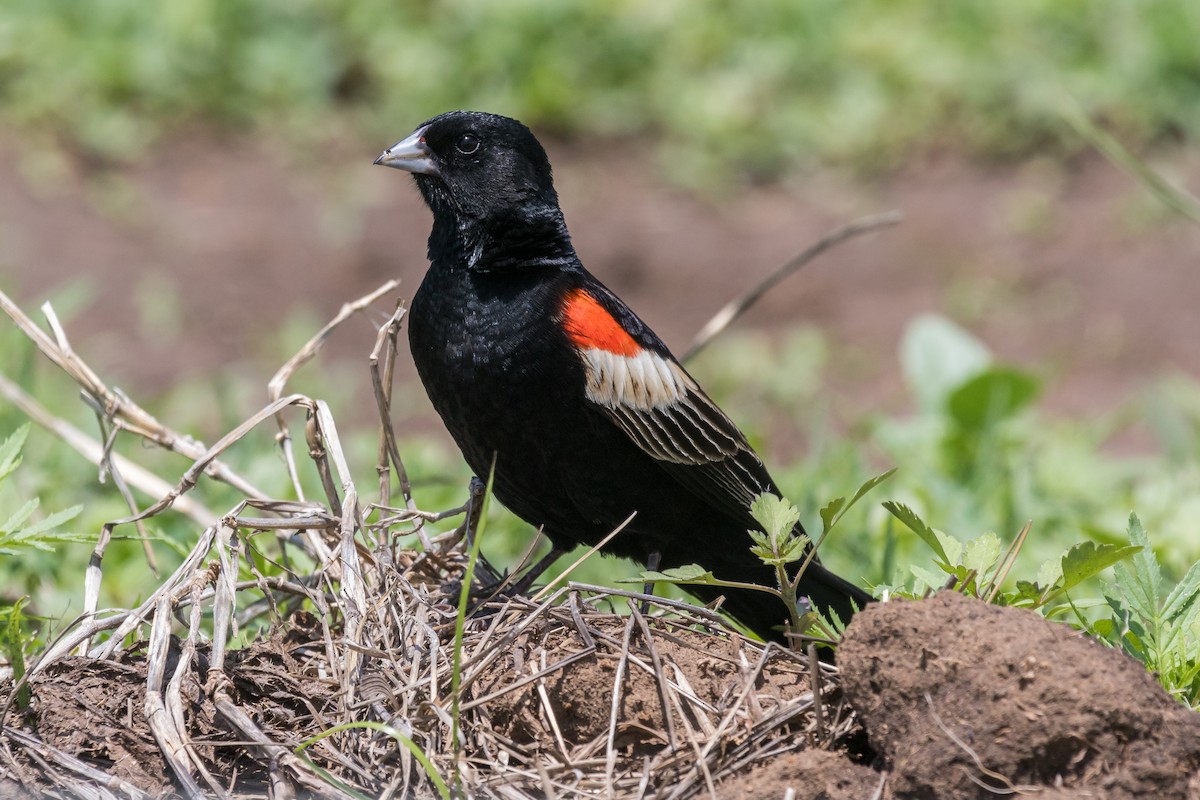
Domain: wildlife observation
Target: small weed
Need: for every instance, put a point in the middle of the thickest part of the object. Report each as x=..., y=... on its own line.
x=1163, y=632
x=21, y=532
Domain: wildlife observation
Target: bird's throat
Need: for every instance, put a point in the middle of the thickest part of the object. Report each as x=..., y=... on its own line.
x=528, y=240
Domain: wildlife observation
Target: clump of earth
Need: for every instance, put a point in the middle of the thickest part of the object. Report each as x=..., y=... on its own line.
x=952, y=699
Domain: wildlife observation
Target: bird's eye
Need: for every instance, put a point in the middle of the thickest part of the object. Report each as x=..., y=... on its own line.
x=467, y=144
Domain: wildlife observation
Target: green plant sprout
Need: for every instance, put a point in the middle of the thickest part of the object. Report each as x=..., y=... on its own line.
x=17, y=533
x=1163, y=632
x=777, y=544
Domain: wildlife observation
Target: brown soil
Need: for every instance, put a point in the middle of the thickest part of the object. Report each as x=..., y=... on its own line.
x=960, y=699
x=93, y=710
x=816, y=774
x=84, y=709
x=581, y=695
x=1070, y=267
x=956, y=699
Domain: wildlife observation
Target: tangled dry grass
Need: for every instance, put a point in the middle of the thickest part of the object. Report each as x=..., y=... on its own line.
x=366, y=666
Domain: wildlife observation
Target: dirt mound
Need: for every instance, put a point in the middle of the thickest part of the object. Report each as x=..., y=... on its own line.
x=816, y=774
x=91, y=709
x=580, y=695
x=962, y=699
x=82, y=708
x=958, y=699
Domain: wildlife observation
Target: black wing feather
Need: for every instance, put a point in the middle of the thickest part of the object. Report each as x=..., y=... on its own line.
x=697, y=445
x=692, y=439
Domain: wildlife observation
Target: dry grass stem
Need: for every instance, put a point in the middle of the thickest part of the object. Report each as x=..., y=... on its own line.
x=94, y=451
x=741, y=304
x=306, y=353
x=117, y=408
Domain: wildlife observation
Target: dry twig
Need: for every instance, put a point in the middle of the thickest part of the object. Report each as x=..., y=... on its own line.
x=741, y=304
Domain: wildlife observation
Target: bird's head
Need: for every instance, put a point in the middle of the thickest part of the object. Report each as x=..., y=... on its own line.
x=476, y=167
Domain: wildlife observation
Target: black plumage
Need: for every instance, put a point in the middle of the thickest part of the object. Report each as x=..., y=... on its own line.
x=530, y=360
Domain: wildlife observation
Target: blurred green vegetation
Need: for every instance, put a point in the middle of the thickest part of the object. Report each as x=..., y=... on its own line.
x=764, y=86
x=978, y=454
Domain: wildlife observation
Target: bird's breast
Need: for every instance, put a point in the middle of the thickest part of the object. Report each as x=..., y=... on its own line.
x=481, y=343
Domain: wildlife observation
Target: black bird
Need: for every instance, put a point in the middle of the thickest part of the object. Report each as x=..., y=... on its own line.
x=531, y=360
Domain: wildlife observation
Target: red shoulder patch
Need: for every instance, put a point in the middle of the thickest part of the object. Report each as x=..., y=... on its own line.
x=589, y=325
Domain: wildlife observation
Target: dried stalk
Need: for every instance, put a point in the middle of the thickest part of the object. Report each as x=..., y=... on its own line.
x=741, y=304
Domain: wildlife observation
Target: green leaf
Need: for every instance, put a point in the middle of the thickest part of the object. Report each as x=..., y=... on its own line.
x=775, y=514
x=934, y=580
x=764, y=553
x=1135, y=635
x=870, y=484
x=1141, y=579
x=1090, y=558
x=982, y=553
x=12, y=645
x=1182, y=598
x=1027, y=591
x=696, y=575
x=950, y=546
x=41, y=534
x=836, y=509
x=1050, y=573
x=793, y=549
x=939, y=356
x=914, y=523
x=10, y=451
x=992, y=395
x=689, y=573
x=959, y=575
x=778, y=545
x=829, y=512
x=10, y=526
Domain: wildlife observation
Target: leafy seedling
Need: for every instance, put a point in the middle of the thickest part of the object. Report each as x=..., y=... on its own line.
x=1163, y=632
x=778, y=544
x=18, y=531
x=978, y=568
